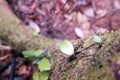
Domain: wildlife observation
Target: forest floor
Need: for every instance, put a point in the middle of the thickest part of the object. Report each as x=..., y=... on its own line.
x=69, y=19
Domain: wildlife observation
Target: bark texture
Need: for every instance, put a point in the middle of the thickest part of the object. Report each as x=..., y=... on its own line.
x=18, y=35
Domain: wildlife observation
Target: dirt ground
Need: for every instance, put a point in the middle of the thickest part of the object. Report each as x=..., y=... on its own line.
x=68, y=19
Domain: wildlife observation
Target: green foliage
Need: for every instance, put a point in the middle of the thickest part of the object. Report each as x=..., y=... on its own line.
x=97, y=39
x=36, y=76
x=28, y=53
x=32, y=53
x=44, y=65
x=66, y=47
x=41, y=76
x=44, y=75
x=38, y=53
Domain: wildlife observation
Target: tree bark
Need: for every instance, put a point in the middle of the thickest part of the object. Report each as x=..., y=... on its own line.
x=18, y=35
x=91, y=61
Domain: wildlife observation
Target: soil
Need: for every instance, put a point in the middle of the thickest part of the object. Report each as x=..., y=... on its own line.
x=68, y=19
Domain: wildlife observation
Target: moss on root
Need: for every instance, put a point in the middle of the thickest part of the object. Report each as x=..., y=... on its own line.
x=91, y=61
x=16, y=34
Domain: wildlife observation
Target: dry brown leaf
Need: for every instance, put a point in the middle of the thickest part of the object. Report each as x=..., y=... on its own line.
x=68, y=17
x=79, y=32
x=86, y=25
x=34, y=26
x=89, y=12
x=81, y=18
x=22, y=70
x=116, y=4
x=5, y=57
x=63, y=1
x=101, y=12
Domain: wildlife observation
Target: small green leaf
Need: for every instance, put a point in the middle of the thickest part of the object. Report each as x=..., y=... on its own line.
x=67, y=47
x=28, y=53
x=38, y=53
x=36, y=76
x=44, y=75
x=97, y=39
x=40, y=76
x=44, y=65
x=32, y=53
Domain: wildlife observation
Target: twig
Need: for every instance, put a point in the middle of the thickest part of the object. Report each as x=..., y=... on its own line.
x=12, y=68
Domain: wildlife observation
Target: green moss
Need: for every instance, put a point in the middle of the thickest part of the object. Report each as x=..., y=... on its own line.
x=17, y=35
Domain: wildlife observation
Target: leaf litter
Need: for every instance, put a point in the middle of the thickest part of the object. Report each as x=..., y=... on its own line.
x=58, y=19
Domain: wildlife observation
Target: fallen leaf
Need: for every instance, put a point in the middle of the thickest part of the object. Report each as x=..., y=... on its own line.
x=97, y=39
x=28, y=53
x=101, y=12
x=44, y=65
x=44, y=75
x=36, y=76
x=89, y=12
x=81, y=18
x=86, y=26
x=37, y=53
x=67, y=6
x=66, y=47
x=116, y=4
x=79, y=32
x=23, y=71
x=63, y=1
x=34, y=26
x=100, y=30
x=40, y=76
x=68, y=17
x=32, y=53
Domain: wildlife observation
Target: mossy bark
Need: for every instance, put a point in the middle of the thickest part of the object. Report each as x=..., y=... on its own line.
x=91, y=61
x=18, y=35
x=85, y=64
